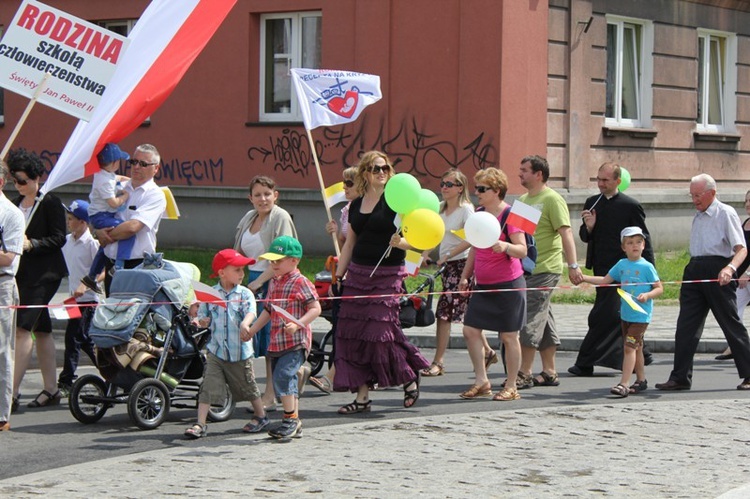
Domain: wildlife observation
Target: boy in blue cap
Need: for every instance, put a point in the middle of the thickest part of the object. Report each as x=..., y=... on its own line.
x=79, y=251
x=106, y=199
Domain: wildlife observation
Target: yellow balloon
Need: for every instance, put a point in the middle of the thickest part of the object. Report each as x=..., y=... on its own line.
x=423, y=228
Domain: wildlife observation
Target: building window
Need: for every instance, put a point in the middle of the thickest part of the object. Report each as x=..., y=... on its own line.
x=629, y=63
x=717, y=81
x=121, y=27
x=286, y=41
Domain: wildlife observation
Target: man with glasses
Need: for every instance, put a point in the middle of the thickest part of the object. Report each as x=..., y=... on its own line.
x=604, y=216
x=553, y=238
x=144, y=208
x=717, y=248
x=12, y=228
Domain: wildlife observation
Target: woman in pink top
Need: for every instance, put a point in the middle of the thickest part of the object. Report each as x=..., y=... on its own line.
x=496, y=270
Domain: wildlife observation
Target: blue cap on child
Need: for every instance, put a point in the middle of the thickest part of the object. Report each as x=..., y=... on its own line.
x=79, y=209
x=111, y=153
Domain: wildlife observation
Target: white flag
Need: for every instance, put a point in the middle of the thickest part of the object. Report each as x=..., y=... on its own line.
x=329, y=97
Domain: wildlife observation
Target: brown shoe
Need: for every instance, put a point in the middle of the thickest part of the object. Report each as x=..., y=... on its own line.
x=4, y=426
x=476, y=391
x=506, y=395
x=671, y=385
x=745, y=385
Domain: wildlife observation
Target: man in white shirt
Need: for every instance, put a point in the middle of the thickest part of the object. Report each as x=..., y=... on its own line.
x=143, y=213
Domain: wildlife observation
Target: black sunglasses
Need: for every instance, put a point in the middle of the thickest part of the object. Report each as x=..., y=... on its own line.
x=349, y=183
x=481, y=189
x=450, y=184
x=378, y=169
x=20, y=181
x=139, y=162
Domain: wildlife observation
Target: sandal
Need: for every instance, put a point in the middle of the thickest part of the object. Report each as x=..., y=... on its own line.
x=411, y=396
x=196, y=431
x=523, y=381
x=620, y=390
x=435, y=369
x=355, y=407
x=323, y=384
x=52, y=399
x=639, y=386
x=4, y=426
x=256, y=424
x=490, y=358
x=476, y=391
x=547, y=379
x=507, y=395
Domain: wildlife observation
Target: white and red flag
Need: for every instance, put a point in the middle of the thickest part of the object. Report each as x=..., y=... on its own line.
x=163, y=44
x=207, y=294
x=524, y=217
x=330, y=97
x=66, y=310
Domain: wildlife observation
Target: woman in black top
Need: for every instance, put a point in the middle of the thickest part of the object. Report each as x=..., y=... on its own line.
x=370, y=345
x=40, y=271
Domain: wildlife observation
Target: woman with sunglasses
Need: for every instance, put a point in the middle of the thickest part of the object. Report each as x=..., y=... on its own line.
x=497, y=271
x=325, y=383
x=254, y=234
x=40, y=272
x=455, y=209
x=371, y=348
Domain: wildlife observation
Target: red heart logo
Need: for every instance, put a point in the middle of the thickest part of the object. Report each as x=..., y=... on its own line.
x=346, y=105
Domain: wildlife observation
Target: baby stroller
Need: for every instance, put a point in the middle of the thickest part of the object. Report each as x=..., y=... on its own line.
x=148, y=352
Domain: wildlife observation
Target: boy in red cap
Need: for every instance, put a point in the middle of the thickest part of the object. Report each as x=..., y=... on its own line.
x=229, y=361
x=292, y=304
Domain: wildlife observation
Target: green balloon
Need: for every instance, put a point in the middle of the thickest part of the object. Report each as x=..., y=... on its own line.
x=402, y=192
x=624, y=180
x=428, y=200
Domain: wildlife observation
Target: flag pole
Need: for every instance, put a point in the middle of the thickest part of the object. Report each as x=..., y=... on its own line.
x=39, y=89
x=323, y=189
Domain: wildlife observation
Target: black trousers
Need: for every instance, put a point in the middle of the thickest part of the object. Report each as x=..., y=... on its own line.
x=109, y=265
x=77, y=339
x=602, y=345
x=695, y=302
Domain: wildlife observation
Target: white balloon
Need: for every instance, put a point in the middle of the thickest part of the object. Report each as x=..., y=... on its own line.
x=482, y=229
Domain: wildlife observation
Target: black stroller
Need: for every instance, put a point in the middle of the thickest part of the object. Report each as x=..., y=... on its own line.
x=148, y=351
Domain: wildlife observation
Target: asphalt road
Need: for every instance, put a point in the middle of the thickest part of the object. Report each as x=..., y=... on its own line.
x=44, y=439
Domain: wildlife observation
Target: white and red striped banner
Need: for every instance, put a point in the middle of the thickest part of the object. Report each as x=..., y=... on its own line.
x=163, y=44
x=524, y=217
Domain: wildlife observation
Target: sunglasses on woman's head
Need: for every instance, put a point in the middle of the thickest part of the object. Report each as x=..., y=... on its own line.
x=450, y=184
x=481, y=189
x=349, y=183
x=379, y=169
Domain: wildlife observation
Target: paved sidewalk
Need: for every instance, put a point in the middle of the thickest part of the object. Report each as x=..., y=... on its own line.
x=634, y=450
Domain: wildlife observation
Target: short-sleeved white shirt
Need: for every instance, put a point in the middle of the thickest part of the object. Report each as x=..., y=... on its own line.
x=145, y=204
x=79, y=254
x=14, y=227
x=103, y=187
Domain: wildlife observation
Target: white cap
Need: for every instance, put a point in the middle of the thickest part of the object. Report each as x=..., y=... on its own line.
x=631, y=231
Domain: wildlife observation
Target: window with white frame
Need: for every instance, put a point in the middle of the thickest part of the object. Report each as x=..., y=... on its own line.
x=717, y=81
x=629, y=72
x=289, y=40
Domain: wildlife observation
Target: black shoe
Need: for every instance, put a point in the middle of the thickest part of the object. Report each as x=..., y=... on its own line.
x=15, y=403
x=725, y=356
x=671, y=386
x=91, y=284
x=577, y=370
x=288, y=428
x=648, y=359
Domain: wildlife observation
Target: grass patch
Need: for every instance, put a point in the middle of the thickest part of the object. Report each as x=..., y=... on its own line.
x=669, y=264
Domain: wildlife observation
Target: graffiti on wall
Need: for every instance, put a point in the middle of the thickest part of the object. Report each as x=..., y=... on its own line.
x=412, y=148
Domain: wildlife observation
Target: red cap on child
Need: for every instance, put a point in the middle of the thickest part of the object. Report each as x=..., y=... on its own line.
x=228, y=257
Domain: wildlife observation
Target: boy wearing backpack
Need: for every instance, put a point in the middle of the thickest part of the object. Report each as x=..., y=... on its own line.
x=555, y=245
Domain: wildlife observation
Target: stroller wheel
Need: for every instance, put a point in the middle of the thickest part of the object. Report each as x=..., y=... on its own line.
x=223, y=413
x=316, y=358
x=148, y=403
x=86, y=401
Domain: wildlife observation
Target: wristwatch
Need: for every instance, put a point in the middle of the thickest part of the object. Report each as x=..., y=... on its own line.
x=573, y=265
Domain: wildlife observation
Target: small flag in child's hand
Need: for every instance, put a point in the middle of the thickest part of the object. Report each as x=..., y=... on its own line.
x=206, y=294
x=630, y=300
x=460, y=233
x=413, y=262
x=335, y=194
x=67, y=310
x=524, y=217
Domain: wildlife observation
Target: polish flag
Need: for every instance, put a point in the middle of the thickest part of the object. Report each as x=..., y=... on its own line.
x=163, y=44
x=68, y=309
x=207, y=294
x=524, y=217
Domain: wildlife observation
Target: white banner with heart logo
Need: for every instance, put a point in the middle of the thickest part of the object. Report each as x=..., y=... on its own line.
x=330, y=97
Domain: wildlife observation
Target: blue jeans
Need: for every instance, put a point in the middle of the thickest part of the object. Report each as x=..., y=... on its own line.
x=77, y=339
x=104, y=220
x=284, y=370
